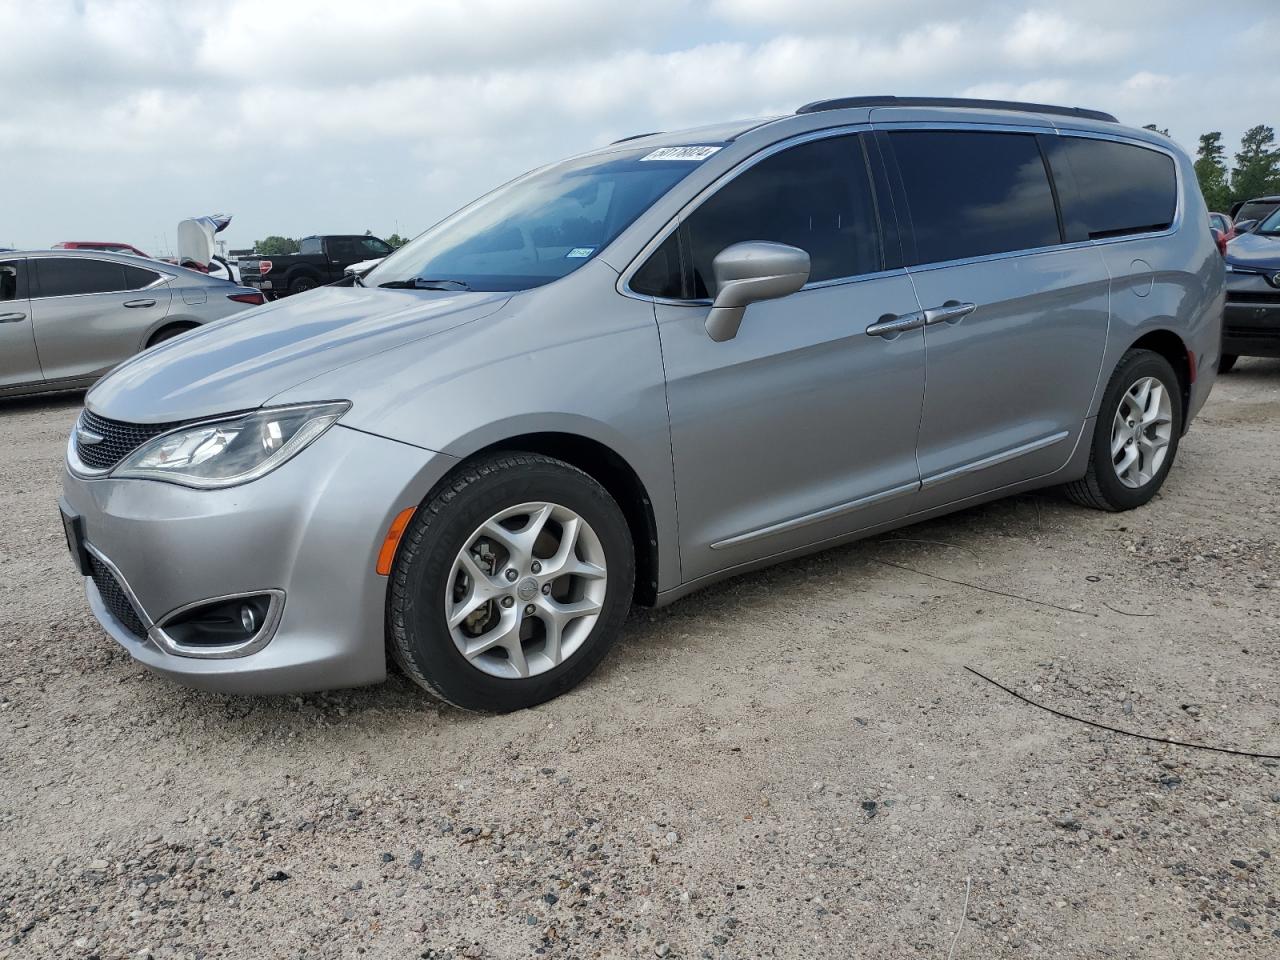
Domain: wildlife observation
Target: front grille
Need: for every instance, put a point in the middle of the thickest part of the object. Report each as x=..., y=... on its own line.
x=119, y=439
x=113, y=596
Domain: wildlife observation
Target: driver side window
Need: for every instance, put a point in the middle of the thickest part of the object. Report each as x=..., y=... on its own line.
x=816, y=196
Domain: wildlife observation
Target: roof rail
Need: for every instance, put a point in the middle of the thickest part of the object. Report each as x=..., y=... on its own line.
x=842, y=103
x=637, y=136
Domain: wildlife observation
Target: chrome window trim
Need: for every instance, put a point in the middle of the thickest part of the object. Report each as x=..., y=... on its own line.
x=265, y=633
x=623, y=285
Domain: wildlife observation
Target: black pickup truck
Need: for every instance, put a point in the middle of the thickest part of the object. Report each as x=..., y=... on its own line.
x=319, y=260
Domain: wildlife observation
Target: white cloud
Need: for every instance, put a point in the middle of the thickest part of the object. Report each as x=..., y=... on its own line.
x=1038, y=38
x=308, y=116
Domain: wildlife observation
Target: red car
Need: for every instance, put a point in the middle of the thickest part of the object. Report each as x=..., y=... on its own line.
x=106, y=247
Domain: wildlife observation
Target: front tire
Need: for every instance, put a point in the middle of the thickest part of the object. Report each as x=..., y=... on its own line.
x=1135, y=437
x=1226, y=361
x=510, y=584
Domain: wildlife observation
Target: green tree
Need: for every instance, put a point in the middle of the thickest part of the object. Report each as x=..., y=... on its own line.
x=1257, y=170
x=396, y=241
x=1211, y=171
x=274, y=246
x=1154, y=129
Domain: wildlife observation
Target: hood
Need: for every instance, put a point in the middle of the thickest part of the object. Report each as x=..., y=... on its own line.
x=1255, y=250
x=241, y=362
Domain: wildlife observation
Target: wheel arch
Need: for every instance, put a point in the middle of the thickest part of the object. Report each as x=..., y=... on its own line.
x=181, y=324
x=299, y=270
x=1174, y=349
x=611, y=470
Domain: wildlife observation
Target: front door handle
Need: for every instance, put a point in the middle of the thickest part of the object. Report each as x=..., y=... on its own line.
x=139, y=303
x=953, y=311
x=12, y=317
x=889, y=326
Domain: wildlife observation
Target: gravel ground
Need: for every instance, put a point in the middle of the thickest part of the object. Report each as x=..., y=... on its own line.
x=792, y=764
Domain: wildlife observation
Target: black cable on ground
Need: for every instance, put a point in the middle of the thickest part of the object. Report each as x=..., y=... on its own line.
x=992, y=590
x=1126, y=733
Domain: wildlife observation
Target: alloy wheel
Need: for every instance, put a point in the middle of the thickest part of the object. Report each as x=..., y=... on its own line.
x=526, y=590
x=1141, y=431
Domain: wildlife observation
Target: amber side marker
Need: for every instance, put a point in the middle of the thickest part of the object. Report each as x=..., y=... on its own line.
x=388, y=552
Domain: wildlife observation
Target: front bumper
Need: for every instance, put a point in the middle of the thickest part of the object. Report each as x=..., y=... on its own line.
x=310, y=530
x=1251, y=318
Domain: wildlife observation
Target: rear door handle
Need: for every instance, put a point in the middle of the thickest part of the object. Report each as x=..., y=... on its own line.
x=889, y=326
x=953, y=311
x=12, y=317
x=139, y=303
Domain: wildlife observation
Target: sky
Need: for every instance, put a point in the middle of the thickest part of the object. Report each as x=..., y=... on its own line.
x=122, y=117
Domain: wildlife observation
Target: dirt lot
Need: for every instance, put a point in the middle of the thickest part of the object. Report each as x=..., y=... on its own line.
x=794, y=764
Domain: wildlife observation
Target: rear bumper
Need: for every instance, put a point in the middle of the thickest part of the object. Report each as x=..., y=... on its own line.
x=309, y=531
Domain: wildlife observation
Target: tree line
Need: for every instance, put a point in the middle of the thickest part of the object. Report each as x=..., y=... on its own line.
x=277, y=246
x=1256, y=172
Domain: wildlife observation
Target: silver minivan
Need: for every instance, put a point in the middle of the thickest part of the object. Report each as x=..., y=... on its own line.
x=624, y=376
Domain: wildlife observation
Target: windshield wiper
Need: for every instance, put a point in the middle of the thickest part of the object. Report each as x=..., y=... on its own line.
x=424, y=283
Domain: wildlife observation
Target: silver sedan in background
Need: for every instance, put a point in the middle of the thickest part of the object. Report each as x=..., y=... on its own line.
x=69, y=316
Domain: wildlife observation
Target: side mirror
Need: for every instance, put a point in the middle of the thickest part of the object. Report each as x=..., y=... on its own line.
x=748, y=272
x=1245, y=226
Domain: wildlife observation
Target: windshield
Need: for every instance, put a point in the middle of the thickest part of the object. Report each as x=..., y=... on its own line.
x=1270, y=227
x=538, y=228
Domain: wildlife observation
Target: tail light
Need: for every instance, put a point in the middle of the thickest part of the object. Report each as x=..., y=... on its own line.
x=254, y=298
x=1221, y=239
x=264, y=267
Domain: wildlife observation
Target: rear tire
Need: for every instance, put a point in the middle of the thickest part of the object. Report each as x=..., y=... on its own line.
x=1226, y=361
x=501, y=653
x=168, y=333
x=1130, y=457
x=302, y=285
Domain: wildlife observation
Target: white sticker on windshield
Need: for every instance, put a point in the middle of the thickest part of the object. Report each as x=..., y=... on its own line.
x=578, y=253
x=680, y=153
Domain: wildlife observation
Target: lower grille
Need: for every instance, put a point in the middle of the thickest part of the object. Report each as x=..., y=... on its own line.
x=114, y=598
x=1250, y=296
x=1233, y=332
x=119, y=439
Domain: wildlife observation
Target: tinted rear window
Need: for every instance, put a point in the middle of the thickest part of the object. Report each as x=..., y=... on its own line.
x=974, y=194
x=1255, y=211
x=1119, y=188
x=65, y=276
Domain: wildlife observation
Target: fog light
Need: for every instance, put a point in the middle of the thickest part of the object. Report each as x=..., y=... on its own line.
x=219, y=623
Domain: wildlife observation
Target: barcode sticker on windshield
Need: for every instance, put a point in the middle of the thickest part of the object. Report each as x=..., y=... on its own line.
x=578, y=253
x=681, y=153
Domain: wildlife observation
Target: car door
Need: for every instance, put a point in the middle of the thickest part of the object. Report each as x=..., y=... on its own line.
x=802, y=427
x=1016, y=320
x=92, y=313
x=19, y=363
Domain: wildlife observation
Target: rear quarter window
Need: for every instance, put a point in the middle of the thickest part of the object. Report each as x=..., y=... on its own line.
x=1112, y=189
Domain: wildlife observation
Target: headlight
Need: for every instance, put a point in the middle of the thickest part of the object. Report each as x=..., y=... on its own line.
x=223, y=453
